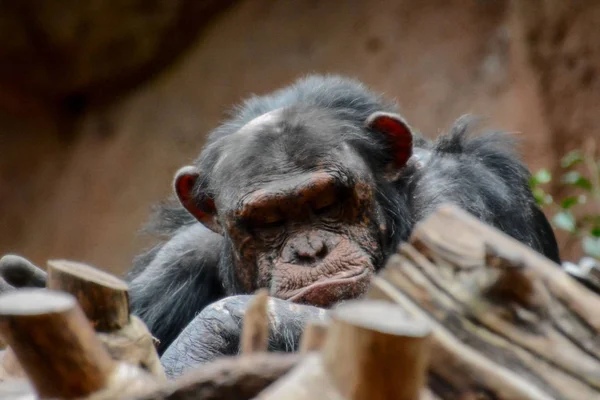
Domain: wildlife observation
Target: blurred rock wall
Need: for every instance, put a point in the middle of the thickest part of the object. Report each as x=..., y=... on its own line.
x=78, y=183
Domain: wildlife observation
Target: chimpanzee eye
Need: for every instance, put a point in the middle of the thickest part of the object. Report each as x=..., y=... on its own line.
x=276, y=223
x=268, y=223
x=327, y=208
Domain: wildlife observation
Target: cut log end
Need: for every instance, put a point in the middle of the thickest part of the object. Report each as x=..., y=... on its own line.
x=54, y=343
x=35, y=302
x=103, y=297
x=87, y=273
x=370, y=336
x=380, y=316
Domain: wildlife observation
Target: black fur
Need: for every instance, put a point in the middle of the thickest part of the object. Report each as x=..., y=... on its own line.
x=174, y=281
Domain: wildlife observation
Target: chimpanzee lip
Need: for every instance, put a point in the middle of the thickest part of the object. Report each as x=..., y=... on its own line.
x=313, y=289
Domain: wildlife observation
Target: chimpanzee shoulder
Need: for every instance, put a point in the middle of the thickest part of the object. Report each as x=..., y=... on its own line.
x=483, y=174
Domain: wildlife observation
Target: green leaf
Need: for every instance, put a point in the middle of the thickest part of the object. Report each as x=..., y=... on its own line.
x=574, y=178
x=541, y=198
x=564, y=220
x=568, y=202
x=542, y=176
x=585, y=184
x=591, y=246
x=571, y=159
x=595, y=231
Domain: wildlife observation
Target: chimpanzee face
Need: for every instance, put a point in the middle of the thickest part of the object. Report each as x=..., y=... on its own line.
x=297, y=203
x=310, y=237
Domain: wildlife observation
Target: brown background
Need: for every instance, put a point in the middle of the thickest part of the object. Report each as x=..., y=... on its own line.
x=87, y=148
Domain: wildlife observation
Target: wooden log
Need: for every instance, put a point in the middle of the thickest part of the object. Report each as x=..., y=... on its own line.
x=54, y=343
x=59, y=351
x=103, y=297
x=507, y=322
x=240, y=378
x=309, y=380
x=373, y=351
x=255, y=329
x=314, y=336
x=17, y=389
x=134, y=344
x=16, y=271
x=10, y=367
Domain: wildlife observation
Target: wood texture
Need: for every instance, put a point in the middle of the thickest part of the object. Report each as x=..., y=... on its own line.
x=10, y=367
x=255, y=330
x=314, y=336
x=102, y=296
x=373, y=350
x=134, y=344
x=105, y=300
x=54, y=343
x=507, y=322
x=241, y=377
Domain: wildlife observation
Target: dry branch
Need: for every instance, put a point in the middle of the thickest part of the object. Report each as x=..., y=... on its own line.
x=373, y=351
x=508, y=323
x=241, y=377
x=314, y=336
x=102, y=296
x=255, y=330
x=54, y=343
x=59, y=350
x=105, y=301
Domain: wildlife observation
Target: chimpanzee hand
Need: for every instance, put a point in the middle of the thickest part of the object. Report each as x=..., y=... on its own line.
x=17, y=272
x=216, y=331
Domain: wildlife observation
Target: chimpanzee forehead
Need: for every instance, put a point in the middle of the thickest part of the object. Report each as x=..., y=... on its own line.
x=281, y=144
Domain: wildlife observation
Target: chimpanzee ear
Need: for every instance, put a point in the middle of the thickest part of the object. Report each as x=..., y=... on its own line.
x=398, y=133
x=203, y=208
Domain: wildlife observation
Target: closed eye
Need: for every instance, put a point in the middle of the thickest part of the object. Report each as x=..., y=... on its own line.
x=327, y=208
x=272, y=224
x=268, y=223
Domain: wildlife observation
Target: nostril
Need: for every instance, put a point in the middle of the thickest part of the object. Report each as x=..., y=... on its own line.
x=315, y=254
x=322, y=252
x=304, y=259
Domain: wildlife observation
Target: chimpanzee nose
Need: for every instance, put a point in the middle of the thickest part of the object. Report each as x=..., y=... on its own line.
x=310, y=248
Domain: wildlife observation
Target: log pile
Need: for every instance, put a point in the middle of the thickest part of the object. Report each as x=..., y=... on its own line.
x=461, y=312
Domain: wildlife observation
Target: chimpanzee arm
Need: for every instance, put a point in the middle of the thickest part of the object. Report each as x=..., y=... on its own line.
x=175, y=281
x=217, y=329
x=18, y=272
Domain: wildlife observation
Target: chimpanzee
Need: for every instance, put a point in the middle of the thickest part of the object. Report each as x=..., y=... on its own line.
x=306, y=192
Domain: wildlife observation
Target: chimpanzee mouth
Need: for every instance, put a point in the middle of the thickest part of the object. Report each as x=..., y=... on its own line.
x=326, y=293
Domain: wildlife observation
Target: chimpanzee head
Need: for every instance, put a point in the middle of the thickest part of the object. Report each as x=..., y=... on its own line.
x=304, y=196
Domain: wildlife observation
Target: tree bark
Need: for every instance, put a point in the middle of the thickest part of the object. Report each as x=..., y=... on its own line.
x=373, y=350
x=55, y=344
x=507, y=322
